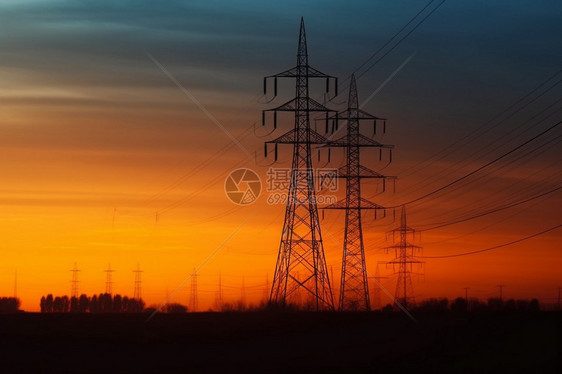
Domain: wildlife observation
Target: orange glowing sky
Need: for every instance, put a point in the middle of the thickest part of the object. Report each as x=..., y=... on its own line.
x=105, y=160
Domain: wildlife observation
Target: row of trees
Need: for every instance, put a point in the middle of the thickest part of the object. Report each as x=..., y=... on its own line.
x=9, y=305
x=102, y=303
x=460, y=304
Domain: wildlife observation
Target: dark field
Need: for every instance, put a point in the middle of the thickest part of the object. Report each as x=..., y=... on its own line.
x=280, y=343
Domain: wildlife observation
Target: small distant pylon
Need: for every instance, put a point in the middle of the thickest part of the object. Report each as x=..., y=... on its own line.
x=404, y=259
x=354, y=286
x=243, y=292
x=16, y=285
x=74, y=282
x=219, y=296
x=193, y=300
x=137, y=294
x=377, y=302
x=109, y=280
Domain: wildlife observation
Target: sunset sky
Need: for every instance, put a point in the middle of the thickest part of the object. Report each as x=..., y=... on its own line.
x=104, y=159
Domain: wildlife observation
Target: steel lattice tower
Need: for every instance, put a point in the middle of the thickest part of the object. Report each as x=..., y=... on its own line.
x=354, y=287
x=108, y=280
x=301, y=264
x=404, y=259
x=219, y=295
x=377, y=289
x=74, y=282
x=137, y=294
x=194, y=300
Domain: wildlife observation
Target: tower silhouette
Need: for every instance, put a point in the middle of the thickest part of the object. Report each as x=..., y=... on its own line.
x=194, y=300
x=404, y=259
x=16, y=284
x=301, y=264
x=354, y=286
x=108, y=280
x=377, y=300
x=137, y=294
x=243, y=292
x=219, y=296
x=74, y=282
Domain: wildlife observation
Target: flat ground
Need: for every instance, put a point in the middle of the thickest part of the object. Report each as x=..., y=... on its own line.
x=281, y=343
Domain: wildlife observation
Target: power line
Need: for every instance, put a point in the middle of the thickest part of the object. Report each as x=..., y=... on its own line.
x=485, y=124
x=393, y=37
x=485, y=165
x=494, y=210
x=402, y=39
x=497, y=246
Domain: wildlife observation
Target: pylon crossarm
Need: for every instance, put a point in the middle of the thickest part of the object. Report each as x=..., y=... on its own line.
x=363, y=141
x=364, y=172
x=290, y=137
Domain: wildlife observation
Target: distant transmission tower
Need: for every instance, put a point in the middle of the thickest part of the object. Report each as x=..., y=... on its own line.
x=74, y=282
x=137, y=294
x=16, y=284
x=219, y=298
x=301, y=249
x=354, y=286
x=108, y=280
x=243, y=292
x=404, y=259
x=377, y=300
x=193, y=300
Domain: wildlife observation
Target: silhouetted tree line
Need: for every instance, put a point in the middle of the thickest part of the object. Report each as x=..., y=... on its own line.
x=9, y=304
x=102, y=303
x=460, y=305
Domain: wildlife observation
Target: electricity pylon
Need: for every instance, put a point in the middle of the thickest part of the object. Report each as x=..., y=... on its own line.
x=354, y=287
x=404, y=259
x=377, y=290
x=194, y=300
x=74, y=282
x=137, y=294
x=301, y=264
x=108, y=280
x=219, y=295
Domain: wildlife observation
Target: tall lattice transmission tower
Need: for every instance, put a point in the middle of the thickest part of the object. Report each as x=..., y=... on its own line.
x=74, y=281
x=301, y=263
x=193, y=297
x=405, y=260
x=354, y=286
x=109, y=280
x=137, y=294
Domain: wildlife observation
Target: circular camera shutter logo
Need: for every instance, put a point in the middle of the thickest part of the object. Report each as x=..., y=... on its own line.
x=242, y=186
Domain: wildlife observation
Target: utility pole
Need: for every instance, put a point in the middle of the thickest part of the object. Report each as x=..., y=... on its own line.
x=301, y=249
x=137, y=294
x=377, y=289
x=501, y=286
x=74, y=282
x=108, y=280
x=354, y=285
x=466, y=297
x=194, y=300
x=16, y=285
x=559, y=289
x=404, y=259
x=219, y=297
